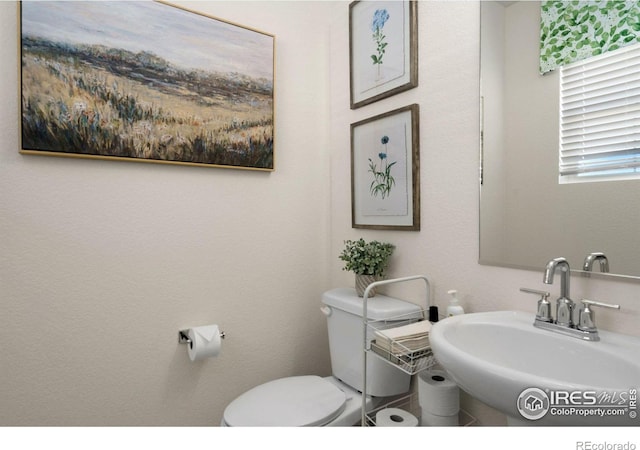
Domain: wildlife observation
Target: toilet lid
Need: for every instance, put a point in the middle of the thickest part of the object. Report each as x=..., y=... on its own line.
x=288, y=402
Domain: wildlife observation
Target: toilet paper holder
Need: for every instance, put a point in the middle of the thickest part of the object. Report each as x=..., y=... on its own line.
x=183, y=337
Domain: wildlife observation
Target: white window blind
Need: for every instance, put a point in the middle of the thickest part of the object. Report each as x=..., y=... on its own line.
x=600, y=116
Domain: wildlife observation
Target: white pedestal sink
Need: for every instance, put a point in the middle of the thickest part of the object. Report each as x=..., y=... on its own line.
x=537, y=377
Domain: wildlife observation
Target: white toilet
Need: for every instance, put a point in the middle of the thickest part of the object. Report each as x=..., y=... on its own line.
x=336, y=400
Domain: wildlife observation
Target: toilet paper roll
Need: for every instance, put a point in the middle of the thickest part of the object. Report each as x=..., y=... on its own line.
x=395, y=417
x=437, y=394
x=205, y=342
x=431, y=420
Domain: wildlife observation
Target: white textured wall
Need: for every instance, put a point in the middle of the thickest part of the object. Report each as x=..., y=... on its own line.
x=446, y=248
x=101, y=263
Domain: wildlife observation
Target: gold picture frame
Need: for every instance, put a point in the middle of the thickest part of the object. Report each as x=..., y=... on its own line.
x=145, y=81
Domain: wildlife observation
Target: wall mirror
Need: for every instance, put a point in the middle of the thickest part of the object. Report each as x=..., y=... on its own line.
x=526, y=216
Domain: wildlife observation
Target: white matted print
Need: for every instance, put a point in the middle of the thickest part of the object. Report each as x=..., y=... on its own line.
x=385, y=171
x=383, y=48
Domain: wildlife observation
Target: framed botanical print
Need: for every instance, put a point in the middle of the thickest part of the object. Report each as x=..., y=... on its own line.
x=383, y=46
x=385, y=171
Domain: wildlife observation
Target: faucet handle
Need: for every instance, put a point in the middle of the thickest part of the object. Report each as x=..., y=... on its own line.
x=587, y=302
x=586, y=320
x=544, y=307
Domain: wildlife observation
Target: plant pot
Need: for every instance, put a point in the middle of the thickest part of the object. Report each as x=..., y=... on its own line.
x=362, y=281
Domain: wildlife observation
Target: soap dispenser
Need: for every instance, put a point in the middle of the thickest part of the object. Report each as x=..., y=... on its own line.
x=454, y=307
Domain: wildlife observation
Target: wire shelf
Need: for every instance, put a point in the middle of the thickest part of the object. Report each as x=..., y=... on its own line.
x=410, y=362
x=410, y=404
x=409, y=355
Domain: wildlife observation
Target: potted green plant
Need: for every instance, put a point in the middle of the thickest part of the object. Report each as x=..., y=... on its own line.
x=368, y=260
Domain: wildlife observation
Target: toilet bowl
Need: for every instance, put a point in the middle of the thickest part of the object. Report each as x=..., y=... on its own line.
x=301, y=401
x=311, y=400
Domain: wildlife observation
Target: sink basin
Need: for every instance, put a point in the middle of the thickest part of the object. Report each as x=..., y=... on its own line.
x=537, y=377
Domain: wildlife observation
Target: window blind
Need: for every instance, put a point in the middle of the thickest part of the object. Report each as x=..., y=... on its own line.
x=600, y=115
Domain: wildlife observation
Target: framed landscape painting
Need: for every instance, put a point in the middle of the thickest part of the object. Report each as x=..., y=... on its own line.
x=385, y=171
x=383, y=48
x=145, y=81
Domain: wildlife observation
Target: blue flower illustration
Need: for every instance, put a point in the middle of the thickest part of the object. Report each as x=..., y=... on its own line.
x=383, y=181
x=380, y=17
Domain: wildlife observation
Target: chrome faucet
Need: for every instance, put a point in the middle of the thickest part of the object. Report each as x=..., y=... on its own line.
x=586, y=327
x=593, y=257
x=564, y=304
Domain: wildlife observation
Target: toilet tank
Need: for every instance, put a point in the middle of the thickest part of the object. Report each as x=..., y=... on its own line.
x=346, y=340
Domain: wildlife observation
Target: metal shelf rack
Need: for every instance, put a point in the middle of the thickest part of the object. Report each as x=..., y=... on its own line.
x=408, y=361
x=410, y=403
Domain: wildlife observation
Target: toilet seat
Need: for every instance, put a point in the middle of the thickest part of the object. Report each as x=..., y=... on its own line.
x=289, y=402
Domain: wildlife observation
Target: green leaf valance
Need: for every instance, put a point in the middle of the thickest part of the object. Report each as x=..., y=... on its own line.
x=575, y=30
